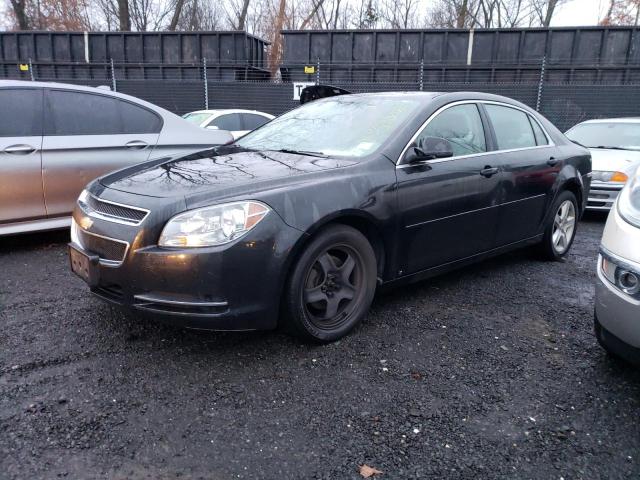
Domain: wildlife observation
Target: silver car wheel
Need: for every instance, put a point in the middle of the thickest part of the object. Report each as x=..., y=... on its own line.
x=564, y=226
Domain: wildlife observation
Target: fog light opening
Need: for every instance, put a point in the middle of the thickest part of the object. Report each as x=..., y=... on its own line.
x=629, y=282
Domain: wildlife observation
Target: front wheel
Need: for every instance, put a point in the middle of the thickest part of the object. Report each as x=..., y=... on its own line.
x=561, y=231
x=331, y=286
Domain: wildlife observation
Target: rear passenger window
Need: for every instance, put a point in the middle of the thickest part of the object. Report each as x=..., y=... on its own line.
x=511, y=126
x=139, y=120
x=21, y=112
x=77, y=113
x=230, y=121
x=541, y=138
x=461, y=125
x=252, y=121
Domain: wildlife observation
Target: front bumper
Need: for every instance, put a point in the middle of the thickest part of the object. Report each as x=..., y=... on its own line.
x=236, y=286
x=615, y=345
x=602, y=196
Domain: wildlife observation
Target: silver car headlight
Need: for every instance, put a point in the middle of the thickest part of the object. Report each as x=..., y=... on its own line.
x=622, y=276
x=602, y=176
x=629, y=201
x=215, y=225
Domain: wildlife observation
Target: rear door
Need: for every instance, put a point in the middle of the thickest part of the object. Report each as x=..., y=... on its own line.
x=87, y=135
x=449, y=206
x=21, y=196
x=529, y=171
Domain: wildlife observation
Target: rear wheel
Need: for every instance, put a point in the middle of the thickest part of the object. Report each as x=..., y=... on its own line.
x=561, y=231
x=331, y=285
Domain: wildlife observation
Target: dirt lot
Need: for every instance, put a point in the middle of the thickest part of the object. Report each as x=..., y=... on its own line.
x=489, y=372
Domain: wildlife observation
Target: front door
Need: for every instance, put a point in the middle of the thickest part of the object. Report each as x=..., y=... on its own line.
x=87, y=135
x=449, y=206
x=21, y=197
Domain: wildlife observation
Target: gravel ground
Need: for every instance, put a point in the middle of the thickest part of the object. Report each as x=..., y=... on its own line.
x=489, y=372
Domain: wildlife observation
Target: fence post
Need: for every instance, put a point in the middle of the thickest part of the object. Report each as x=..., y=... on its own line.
x=33, y=78
x=114, y=85
x=318, y=71
x=540, y=83
x=206, y=83
x=421, y=74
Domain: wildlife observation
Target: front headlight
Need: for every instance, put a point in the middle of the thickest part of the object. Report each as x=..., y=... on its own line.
x=601, y=176
x=82, y=198
x=623, y=276
x=210, y=226
x=629, y=201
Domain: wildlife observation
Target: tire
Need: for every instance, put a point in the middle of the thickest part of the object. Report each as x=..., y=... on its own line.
x=331, y=285
x=561, y=230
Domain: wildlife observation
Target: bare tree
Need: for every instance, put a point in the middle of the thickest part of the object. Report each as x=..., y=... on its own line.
x=544, y=10
x=123, y=15
x=622, y=12
x=20, y=12
x=176, y=15
x=399, y=13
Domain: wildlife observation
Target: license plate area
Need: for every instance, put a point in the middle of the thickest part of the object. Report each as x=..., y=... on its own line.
x=85, y=266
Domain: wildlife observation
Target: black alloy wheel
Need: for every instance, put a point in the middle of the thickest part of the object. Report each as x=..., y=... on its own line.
x=331, y=286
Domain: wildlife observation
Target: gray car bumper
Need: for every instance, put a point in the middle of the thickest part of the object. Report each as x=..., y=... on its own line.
x=602, y=197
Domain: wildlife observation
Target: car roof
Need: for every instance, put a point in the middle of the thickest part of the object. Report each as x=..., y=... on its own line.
x=427, y=97
x=81, y=88
x=613, y=120
x=230, y=110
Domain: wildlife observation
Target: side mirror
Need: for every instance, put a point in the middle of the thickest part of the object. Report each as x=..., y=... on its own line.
x=212, y=127
x=429, y=148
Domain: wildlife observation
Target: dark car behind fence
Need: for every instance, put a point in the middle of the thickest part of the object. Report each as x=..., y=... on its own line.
x=569, y=74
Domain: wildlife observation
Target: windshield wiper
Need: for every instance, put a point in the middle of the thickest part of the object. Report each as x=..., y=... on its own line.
x=302, y=152
x=578, y=143
x=606, y=147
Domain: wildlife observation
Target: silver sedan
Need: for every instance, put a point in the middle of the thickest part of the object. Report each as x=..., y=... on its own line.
x=56, y=138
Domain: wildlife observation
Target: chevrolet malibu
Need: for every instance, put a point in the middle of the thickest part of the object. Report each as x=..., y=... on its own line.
x=298, y=222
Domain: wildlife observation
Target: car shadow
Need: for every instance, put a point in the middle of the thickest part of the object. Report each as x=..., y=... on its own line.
x=33, y=241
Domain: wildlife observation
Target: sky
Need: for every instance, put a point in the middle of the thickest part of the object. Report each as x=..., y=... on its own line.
x=579, y=12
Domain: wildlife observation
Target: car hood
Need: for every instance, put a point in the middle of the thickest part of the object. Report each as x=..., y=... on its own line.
x=209, y=172
x=614, y=160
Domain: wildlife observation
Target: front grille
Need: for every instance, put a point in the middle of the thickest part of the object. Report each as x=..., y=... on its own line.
x=119, y=212
x=110, y=292
x=105, y=248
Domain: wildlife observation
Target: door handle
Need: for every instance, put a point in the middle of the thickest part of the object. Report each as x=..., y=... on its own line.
x=136, y=145
x=488, y=171
x=552, y=161
x=19, y=149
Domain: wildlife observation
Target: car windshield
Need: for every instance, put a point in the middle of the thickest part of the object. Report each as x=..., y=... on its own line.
x=342, y=126
x=197, y=118
x=621, y=135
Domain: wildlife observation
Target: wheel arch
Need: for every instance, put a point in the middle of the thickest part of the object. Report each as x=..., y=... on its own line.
x=358, y=219
x=574, y=186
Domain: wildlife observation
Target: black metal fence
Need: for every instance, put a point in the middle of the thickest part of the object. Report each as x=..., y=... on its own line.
x=564, y=103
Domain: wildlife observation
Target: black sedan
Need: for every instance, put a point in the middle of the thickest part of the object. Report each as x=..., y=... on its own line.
x=300, y=221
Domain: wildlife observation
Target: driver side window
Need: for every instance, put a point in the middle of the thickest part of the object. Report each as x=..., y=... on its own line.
x=462, y=126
